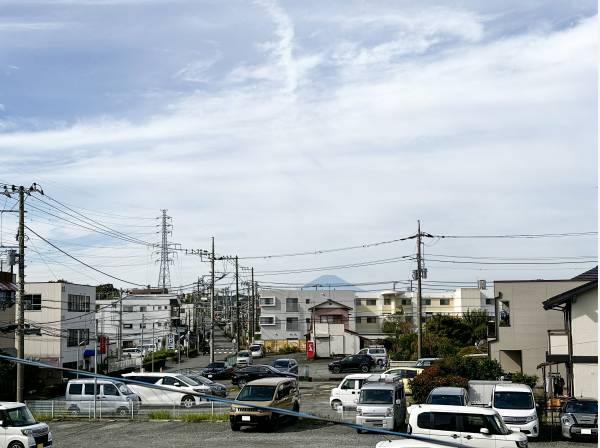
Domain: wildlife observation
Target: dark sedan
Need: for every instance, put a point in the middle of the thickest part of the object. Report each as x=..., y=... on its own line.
x=362, y=363
x=215, y=388
x=217, y=370
x=250, y=373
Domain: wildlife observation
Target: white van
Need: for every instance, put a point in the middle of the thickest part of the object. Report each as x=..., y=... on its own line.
x=346, y=394
x=381, y=403
x=465, y=425
x=112, y=397
x=174, y=388
x=18, y=428
x=516, y=405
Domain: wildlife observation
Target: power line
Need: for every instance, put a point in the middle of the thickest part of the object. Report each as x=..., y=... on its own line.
x=522, y=235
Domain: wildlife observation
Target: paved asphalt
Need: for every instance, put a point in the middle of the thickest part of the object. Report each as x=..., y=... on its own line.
x=177, y=434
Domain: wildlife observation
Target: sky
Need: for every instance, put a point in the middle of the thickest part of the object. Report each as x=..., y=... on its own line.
x=281, y=127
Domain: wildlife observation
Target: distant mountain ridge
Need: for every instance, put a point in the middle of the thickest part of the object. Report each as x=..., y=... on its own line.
x=326, y=282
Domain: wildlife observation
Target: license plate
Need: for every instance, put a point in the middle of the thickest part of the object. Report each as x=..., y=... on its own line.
x=514, y=428
x=245, y=418
x=586, y=431
x=210, y=376
x=40, y=445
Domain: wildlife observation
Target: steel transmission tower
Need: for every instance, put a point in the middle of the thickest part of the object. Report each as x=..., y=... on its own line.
x=164, y=275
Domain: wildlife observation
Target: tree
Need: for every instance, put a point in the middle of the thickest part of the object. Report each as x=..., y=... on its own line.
x=106, y=291
x=476, y=321
x=400, y=336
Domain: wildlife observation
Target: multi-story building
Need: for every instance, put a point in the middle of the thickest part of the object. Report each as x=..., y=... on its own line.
x=519, y=339
x=285, y=315
x=371, y=309
x=132, y=321
x=65, y=315
x=8, y=290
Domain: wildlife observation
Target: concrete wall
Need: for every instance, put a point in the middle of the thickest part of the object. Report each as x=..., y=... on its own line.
x=529, y=323
x=585, y=380
x=584, y=318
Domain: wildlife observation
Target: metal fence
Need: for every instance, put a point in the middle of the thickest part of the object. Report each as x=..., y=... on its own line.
x=52, y=409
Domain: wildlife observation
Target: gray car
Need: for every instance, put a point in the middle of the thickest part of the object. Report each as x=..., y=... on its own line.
x=286, y=365
x=111, y=397
x=579, y=418
x=217, y=389
x=450, y=396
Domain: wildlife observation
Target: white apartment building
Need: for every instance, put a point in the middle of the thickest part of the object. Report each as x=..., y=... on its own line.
x=64, y=312
x=134, y=320
x=285, y=315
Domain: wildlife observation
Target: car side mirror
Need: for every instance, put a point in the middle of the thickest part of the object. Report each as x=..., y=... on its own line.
x=484, y=431
x=489, y=404
x=398, y=401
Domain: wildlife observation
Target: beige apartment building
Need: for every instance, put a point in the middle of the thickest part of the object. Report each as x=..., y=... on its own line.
x=520, y=341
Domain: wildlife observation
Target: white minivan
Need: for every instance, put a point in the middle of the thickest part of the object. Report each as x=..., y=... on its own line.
x=110, y=397
x=174, y=388
x=516, y=405
x=18, y=428
x=469, y=426
x=348, y=391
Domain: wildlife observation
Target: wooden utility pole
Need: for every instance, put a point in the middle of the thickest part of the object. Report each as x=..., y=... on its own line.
x=21, y=299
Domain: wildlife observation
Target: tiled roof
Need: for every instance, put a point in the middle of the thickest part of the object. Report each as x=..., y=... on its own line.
x=590, y=275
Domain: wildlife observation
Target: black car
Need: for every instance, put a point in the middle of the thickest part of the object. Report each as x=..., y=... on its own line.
x=286, y=365
x=218, y=370
x=362, y=363
x=246, y=374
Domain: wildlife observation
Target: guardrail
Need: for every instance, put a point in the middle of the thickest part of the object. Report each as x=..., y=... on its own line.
x=52, y=409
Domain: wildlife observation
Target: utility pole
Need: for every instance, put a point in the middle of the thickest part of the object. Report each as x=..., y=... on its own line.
x=237, y=305
x=142, y=343
x=21, y=299
x=252, y=308
x=212, y=302
x=419, y=299
x=120, y=348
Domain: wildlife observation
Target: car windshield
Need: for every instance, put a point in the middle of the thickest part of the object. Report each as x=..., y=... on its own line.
x=279, y=363
x=376, y=396
x=452, y=400
x=582, y=407
x=256, y=393
x=123, y=389
x=513, y=400
x=255, y=348
x=216, y=365
x=498, y=424
x=20, y=416
x=202, y=380
x=187, y=380
x=243, y=354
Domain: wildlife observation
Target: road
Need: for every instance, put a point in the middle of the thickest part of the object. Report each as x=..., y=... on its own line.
x=215, y=435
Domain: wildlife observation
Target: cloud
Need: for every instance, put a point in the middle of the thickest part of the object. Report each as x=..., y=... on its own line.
x=31, y=26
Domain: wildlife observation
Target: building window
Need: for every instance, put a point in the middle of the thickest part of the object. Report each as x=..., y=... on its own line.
x=291, y=305
x=74, y=337
x=291, y=324
x=332, y=319
x=127, y=309
x=406, y=302
x=371, y=320
x=142, y=325
x=143, y=309
x=267, y=301
x=426, y=302
x=127, y=326
x=387, y=301
x=78, y=303
x=408, y=319
x=504, y=313
x=307, y=301
x=358, y=320
x=267, y=320
x=371, y=302
x=308, y=321
x=33, y=302
x=489, y=301
x=444, y=302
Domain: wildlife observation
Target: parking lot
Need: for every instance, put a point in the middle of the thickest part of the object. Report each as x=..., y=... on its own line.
x=177, y=434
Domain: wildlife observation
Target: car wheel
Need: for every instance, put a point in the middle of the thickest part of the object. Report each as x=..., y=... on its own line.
x=336, y=369
x=188, y=401
x=336, y=404
x=380, y=362
x=123, y=412
x=364, y=369
x=16, y=445
x=234, y=426
x=74, y=411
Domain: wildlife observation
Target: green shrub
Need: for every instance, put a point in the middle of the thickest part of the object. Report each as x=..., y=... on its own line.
x=521, y=378
x=203, y=417
x=159, y=415
x=288, y=349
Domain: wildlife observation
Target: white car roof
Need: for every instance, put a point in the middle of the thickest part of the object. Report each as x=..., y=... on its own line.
x=152, y=374
x=513, y=388
x=10, y=404
x=357, y=376
x=455, y=409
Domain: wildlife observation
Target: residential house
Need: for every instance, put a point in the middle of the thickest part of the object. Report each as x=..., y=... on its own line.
x=518, y=339
x=8, y=291
x=286, y=315
x=331, y=329
x=575, y=343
